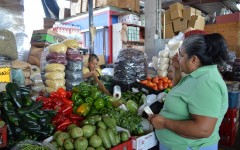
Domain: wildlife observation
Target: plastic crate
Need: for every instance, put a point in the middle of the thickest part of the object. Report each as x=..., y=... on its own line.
x=228, y=138
x=229, y=127
x=124, y=146
x=233, y=99
x=230, y=120
x=3, y=136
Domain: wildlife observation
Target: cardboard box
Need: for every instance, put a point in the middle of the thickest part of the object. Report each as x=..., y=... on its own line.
x=45, y=37
x=188, y=12
x=79, y=7
x=137, y=6
x=129, y=19
x=73, y=8
x=110, y=2
x=98, y=3
x=84, y=6
x=64, y=13
x=198, y=12
x=196, y=24
x=145, y=142
x=196, y=17
x=176, y=11
x=176, y=14
x=167, y=17
x=169, y=31
x=127, y=4
x=180, y=25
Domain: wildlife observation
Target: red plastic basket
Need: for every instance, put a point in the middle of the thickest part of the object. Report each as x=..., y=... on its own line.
x=124, y=146
x=230, y=120
x=3, y=136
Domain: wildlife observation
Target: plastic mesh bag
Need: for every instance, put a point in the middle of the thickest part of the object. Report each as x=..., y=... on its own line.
x=55, y=84
x=74, y=75
x=132, y=65
x=18, y=77
x=33, y=145
x=74, y=65
x=54, y=75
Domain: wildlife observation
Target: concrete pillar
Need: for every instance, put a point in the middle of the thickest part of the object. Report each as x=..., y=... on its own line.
x=153, y=39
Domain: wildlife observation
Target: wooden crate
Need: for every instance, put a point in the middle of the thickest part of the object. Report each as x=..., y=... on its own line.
x=230, y=31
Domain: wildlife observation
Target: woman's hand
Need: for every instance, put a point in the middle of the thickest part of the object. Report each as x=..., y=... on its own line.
x=157, y=121
x=87, y=75
x=175, y=62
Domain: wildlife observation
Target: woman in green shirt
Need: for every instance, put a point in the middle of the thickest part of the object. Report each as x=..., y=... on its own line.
x=195, y=107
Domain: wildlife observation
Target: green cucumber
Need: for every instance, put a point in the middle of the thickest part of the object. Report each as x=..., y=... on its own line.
x=105, y=138
x=111, y=137
x=108, y=122
x=101, y=124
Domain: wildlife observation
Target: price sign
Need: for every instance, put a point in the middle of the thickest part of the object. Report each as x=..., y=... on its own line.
x=5, y=74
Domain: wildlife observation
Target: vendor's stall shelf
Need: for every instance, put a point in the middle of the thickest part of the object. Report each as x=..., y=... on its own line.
x=134, y=36
x=103, y=17
x=229, y=127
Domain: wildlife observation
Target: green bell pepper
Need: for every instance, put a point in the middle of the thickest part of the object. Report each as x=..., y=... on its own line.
x=99, y=103
x=95, y=94
x=76, y=89
x=85, y=92
x=77, y=100
x=89, y=100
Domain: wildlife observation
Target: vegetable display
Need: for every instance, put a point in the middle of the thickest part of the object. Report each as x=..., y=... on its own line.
x=24, y=117
x=90, y=135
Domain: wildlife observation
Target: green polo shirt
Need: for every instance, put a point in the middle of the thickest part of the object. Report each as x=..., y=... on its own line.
x=203, y=92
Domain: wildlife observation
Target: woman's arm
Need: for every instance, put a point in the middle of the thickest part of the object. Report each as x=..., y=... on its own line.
x=197, y=127
x=100, y=84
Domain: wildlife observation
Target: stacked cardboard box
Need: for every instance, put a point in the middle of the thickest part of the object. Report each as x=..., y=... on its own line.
x=81, y=6
x=48, y=23
x=178, y=18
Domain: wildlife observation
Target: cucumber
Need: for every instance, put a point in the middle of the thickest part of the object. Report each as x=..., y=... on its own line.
x=111, y=137
x=118, y=138
x=101, y=124
x=108, y=122
x=105, y=138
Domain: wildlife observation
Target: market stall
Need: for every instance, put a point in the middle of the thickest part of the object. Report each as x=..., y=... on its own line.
x=46, y=102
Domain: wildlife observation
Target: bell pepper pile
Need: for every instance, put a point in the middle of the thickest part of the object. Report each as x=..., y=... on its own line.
x=24, y=117
x=60, y=102
x=88, y=99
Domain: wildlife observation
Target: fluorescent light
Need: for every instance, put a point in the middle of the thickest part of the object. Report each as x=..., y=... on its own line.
x=238, y=5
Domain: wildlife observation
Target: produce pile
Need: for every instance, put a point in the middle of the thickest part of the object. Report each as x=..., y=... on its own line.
x=82, y=117
x=157, y=83
x=99, y=134
x=24, y=118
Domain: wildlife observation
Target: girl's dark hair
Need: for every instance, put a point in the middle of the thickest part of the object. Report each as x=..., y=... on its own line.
x=92, y=57
x=210, y=48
